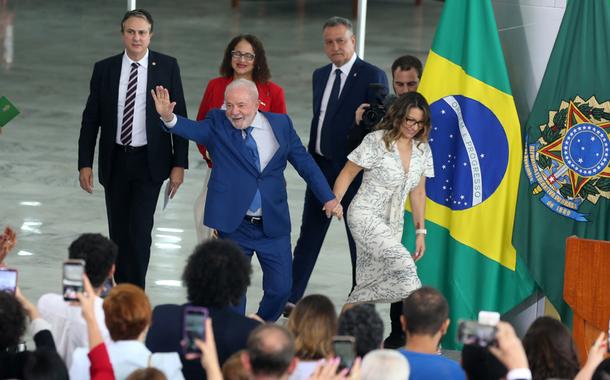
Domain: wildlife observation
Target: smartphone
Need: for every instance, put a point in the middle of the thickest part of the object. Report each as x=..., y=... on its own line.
x=8, y=280
x=475, y=333
x=107, y=287
x=193, y=327
x=489, y=317
x=72, y=281
x=344, y=347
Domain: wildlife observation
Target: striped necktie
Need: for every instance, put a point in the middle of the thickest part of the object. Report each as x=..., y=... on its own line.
x=130, y=101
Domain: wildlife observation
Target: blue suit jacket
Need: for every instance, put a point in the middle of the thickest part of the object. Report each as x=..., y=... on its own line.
x=355, y=92
x=235, y=179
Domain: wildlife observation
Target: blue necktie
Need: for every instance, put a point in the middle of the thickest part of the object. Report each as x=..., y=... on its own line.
x=331, y=107
x=253, y=151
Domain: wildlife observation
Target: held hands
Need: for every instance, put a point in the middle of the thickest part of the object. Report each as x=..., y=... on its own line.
x=163, y=105
x=333, y=208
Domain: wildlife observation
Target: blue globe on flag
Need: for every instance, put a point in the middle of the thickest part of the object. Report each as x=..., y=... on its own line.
x=470, y=152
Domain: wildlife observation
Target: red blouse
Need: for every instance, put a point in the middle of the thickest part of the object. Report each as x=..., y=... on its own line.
x=271, y=98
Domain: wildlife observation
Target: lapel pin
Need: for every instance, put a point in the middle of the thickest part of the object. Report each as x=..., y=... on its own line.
x=354, y=73
x=154, y=63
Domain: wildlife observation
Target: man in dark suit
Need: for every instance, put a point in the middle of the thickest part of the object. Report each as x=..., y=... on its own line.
x=247, y=200
x=135, y=156
x=338, y=89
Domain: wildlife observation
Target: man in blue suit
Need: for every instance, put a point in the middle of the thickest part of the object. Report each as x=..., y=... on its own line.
x=338, y=89
x=247, y=199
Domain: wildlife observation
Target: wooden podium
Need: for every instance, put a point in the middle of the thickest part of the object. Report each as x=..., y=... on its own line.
x=587, y=289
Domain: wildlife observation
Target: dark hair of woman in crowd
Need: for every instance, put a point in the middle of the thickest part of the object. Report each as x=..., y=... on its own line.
x=397, y=115
x=12, y=321
x=261, y=72
x=550, y=350
x=313, y=322
x=45, y=364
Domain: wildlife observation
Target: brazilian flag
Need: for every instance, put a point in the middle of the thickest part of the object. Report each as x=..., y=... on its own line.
x=476, y=147
x=565, y=184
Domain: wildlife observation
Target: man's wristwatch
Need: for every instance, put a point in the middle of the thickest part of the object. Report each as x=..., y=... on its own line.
x=421, y=231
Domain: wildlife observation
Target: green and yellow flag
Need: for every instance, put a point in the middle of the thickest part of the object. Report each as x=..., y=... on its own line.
x=565, y=184
x=477, y=151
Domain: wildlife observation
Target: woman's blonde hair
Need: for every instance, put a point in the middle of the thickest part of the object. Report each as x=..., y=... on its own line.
x=397, y=114
x=313, y=323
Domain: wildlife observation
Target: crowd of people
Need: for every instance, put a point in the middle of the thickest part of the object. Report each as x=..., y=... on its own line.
x=122, y=337
x=243, y=132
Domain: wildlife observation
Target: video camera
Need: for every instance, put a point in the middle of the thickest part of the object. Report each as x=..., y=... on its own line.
x=380, y=102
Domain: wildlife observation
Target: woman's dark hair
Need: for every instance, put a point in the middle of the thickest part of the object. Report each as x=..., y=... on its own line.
x=217, y=274
x=550, y=350
x=397, y=114
x=12, y=320
x=261, y=72
x=365, y=325
x=44, y=364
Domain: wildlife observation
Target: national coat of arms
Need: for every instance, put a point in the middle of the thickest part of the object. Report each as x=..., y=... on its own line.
x=569, y=162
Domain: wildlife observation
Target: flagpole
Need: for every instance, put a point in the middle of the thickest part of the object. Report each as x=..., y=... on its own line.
x=362, y=4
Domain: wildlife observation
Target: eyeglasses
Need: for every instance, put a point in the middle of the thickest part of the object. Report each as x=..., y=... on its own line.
x=238, y=55
x=412, y=122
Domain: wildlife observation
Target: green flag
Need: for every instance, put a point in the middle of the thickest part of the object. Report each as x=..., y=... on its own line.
x=565, y=185
x=476, y=147
x=7, y=111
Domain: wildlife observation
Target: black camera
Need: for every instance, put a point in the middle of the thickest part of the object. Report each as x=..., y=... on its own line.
x=379, y=101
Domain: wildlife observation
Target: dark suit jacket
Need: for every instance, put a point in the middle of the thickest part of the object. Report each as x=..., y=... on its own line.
x=11, y=364
x=235, y=179
x=231, y=332
x=101, y=111
x=355, y=92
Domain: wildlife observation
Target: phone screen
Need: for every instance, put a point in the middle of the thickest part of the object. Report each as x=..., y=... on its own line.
x=345, y=350
x=73, y=279
x=8, y=280
x=194, y=327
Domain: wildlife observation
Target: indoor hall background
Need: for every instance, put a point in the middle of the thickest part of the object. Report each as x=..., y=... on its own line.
x=47, y=52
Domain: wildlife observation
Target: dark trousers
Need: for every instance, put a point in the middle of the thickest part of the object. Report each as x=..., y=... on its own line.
x=273, y=254
x=314, y=226
x=131, y=199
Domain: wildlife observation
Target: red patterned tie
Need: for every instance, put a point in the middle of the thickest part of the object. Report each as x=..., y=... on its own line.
x=130, y=101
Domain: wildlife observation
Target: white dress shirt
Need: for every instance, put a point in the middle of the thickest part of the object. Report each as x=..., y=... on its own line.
x=345, y=69
x=127, y=356
x=138, y=132
x=68, y=326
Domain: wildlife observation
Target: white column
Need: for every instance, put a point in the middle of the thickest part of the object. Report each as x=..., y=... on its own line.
x=361, y=27
x=131, y=5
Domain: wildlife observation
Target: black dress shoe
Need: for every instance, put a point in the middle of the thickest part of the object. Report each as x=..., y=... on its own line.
x=394, y=341
x=288, y=308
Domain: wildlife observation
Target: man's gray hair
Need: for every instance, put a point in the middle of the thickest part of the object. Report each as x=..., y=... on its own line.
x=243, y=83
x=391, y=363
x=336, y=21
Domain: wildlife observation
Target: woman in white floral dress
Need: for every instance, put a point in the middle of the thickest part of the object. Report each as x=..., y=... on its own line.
x=396, y=160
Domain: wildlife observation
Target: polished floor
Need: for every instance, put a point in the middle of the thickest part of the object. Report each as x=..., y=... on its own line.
x=47, y=51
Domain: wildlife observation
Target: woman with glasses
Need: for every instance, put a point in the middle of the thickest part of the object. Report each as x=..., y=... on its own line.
x=396, y=159
x=245, y=58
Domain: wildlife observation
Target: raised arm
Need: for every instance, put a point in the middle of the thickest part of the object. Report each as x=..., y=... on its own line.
x=345, y=178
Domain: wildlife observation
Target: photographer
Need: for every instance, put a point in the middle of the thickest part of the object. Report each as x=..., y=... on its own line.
x=406, y=73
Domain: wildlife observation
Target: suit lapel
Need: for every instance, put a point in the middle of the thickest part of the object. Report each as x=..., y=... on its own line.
x=114, y=77
x=349, y=81
x=151, y=80
x=277, y=133
x=237, y=145
x=319, y=86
